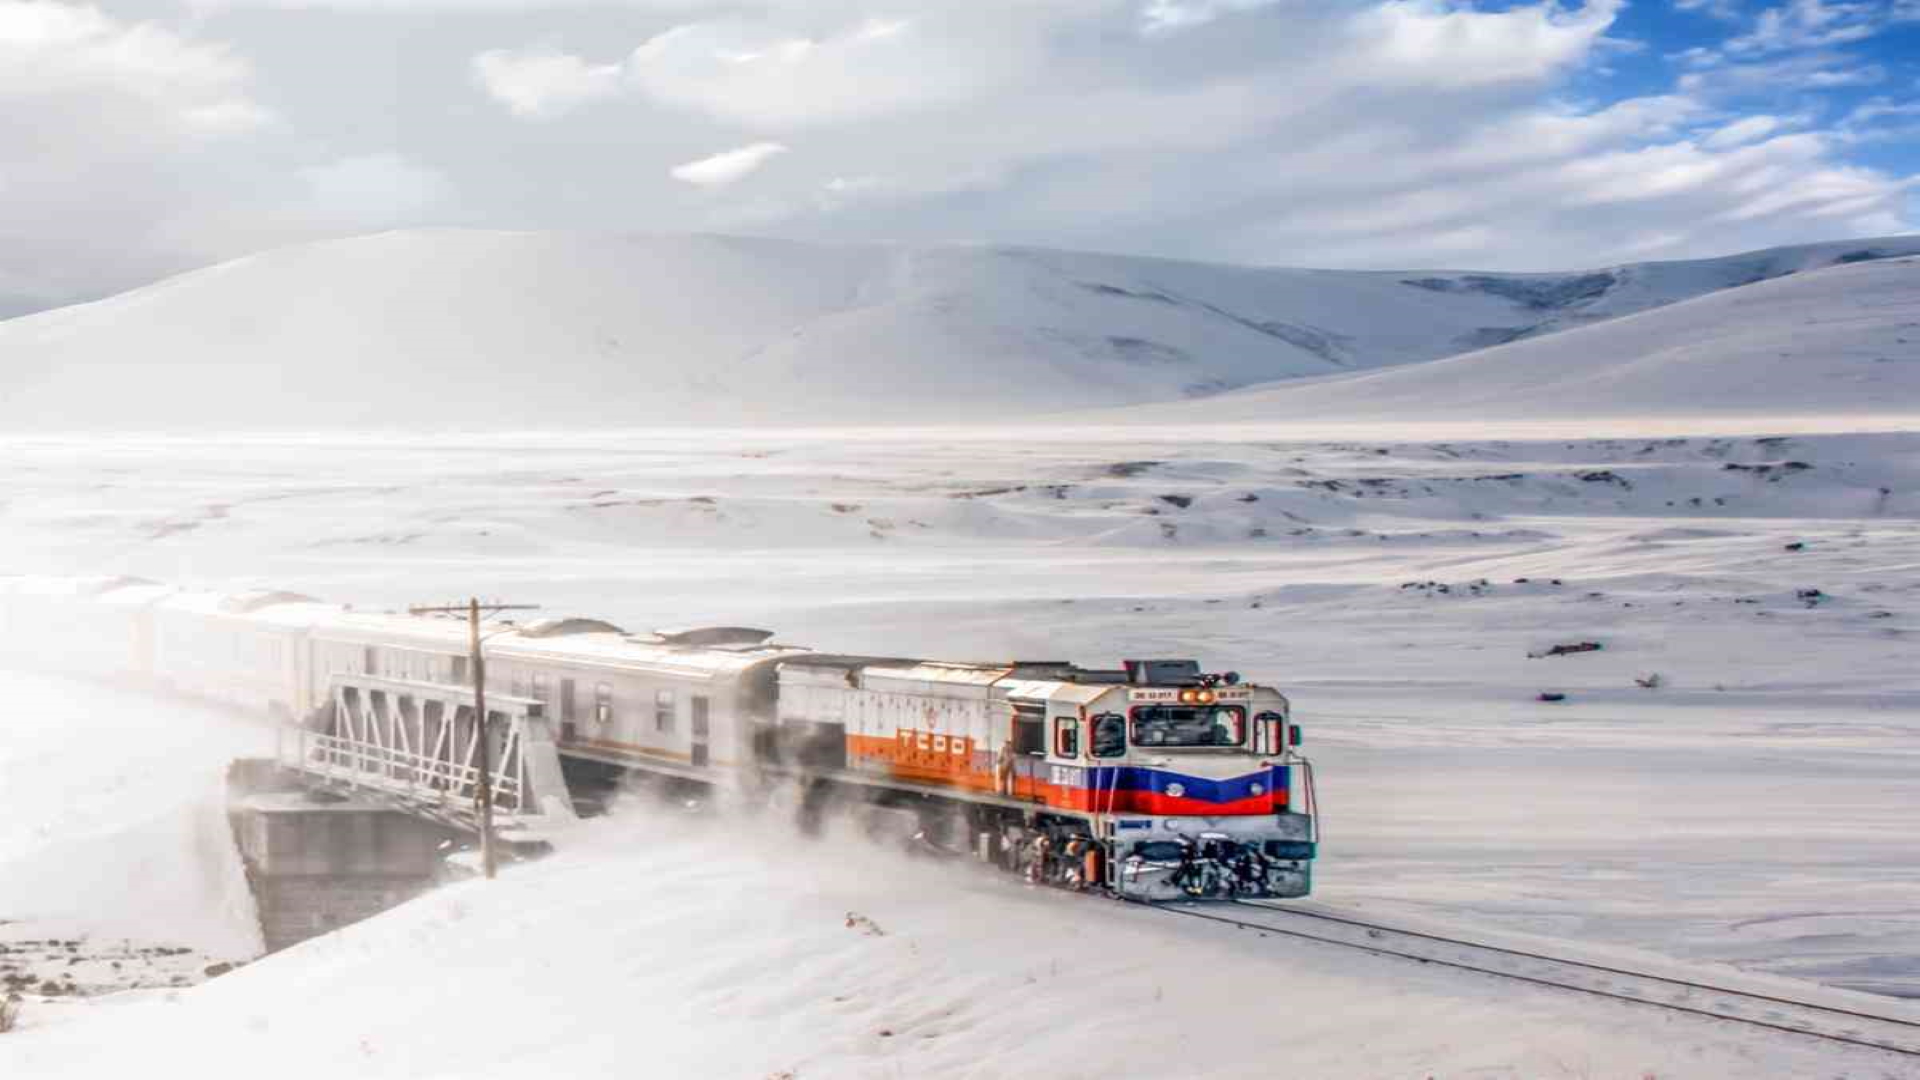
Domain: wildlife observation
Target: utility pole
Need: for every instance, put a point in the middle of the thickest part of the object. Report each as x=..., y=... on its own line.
x=483, y=788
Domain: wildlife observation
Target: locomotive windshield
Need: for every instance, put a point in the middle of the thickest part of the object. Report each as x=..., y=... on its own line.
x=1189, y=725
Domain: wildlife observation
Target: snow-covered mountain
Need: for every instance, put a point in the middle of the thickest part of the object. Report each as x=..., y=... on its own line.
x=1840, y=341
x=542, y=330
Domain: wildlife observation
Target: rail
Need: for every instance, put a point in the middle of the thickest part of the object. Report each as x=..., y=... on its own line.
x=1830, y=1023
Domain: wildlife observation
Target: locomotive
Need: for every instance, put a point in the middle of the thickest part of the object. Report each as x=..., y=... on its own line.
x=1155, y=780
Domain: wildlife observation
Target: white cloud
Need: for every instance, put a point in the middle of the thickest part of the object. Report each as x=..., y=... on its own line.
x=1162, y=16
x=1819, y=24
x=1361, y=132
x=755, y=74
x=54, y=52
x=1803, y=24
x=102, y=119
x=1742, y=131
x=1365, y=133
x=372, y=190
x=1727, y=10
x=449, y=6
x=1810, y=71
x=728, y=166
x=759, y=74
x=1429, y=42
x=854, y=185
x=543, y=82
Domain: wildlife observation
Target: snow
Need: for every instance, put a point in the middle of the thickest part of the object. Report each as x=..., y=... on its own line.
x=670, y=947
x=113, y=835
x=1751, y=811
x=1839, y=342
x=439, y=329
x=1394, y=557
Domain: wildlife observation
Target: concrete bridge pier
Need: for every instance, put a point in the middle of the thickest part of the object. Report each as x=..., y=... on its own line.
x=317, y=862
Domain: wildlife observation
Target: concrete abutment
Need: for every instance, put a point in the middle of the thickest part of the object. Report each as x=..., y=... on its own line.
x=317, y=861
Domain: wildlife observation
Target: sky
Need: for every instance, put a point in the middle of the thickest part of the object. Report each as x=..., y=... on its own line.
x=139, y=138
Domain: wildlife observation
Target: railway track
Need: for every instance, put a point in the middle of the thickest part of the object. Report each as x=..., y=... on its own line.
x=1835, y=1024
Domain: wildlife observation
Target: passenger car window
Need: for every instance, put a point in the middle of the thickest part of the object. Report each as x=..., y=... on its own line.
x=663, y=710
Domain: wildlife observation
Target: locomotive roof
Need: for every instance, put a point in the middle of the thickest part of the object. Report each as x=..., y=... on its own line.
x=1049, y=690
x=1011, y=680
x=935, y=671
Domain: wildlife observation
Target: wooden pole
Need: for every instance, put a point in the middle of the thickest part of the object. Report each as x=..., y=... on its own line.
x=483, y=731
x=484, y=789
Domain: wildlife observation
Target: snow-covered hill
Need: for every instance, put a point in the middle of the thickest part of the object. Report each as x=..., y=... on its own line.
x=542, y=330
x=1841, y=341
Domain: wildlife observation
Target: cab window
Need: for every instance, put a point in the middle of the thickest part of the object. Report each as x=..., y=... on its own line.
x=1109, y=738
x=1268, y=733
x=1066, y=736
x=1189, y=725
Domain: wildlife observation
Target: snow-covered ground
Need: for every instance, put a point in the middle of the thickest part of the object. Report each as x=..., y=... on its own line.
x=1728, y=780
x=1753, y=809
x=432, y=329
x=116, y=861
x=660, y=945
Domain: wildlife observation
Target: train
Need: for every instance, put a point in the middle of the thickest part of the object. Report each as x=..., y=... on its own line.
x=1153, y=780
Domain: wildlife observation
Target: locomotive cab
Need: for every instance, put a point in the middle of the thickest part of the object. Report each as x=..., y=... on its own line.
x=1189, y=780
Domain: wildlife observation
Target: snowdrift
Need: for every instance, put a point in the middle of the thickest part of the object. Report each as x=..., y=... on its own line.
x=663, y=948
x=113, y=829
x=1842, y=342
x=435, y=329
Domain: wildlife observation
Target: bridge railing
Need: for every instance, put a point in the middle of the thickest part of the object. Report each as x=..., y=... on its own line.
x=417, y=744
x=400, y=772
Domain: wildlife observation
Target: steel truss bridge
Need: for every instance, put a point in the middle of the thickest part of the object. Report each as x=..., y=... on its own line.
x=415, y=746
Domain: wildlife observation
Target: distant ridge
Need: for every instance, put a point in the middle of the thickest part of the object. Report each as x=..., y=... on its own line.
x=1839, y=341
x=433, y=329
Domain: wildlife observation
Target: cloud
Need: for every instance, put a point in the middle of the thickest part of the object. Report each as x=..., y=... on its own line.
x=1811, y=71
x=102, y=118
x=760, y=74
x=1359, y=133
x=794, y=63
x=1427, y=42
x=1725, y=10
x=60, y=54
x=728, y=166
x=1811, y=24
x=1742, y=131
x=543, y=82
x=1163, y=16
x=372, y=190
x=388, y=7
